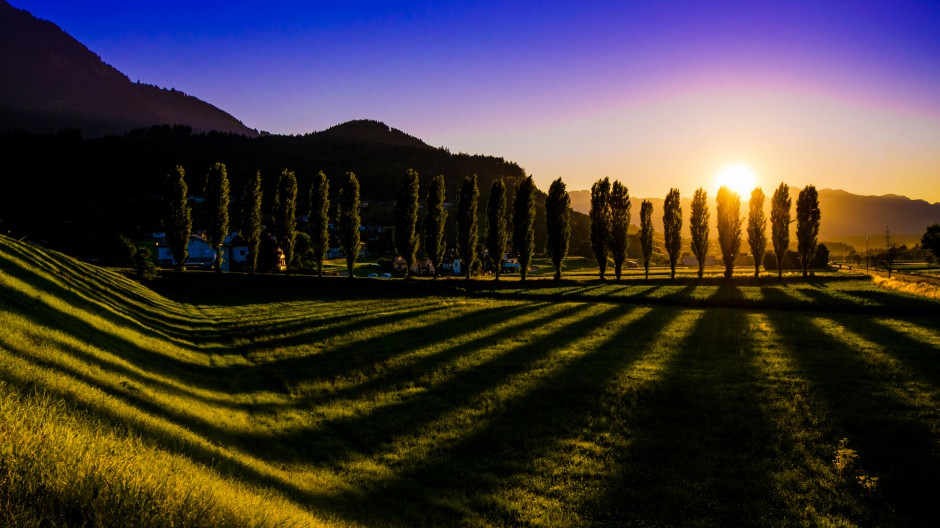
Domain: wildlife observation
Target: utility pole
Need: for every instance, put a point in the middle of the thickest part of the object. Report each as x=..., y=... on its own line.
x=866, y=255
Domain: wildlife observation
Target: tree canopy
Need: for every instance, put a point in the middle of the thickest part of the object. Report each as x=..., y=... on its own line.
x=285, y=215
x=177, y=218
x=217, y=198
x=467, y=223
x=434, y=222
x=807, y=225
x=780, y=224
x=619, y=225
x=698, y=228
x=523, y=222
x=406, y=219
x=318, y=222
x=347, y=220
x=557, y=218
x=646, y=234
x=600, y=217
x=496, y=236
x=757, y=228
x=728, y=205
x=672, y=228
x=251, y=220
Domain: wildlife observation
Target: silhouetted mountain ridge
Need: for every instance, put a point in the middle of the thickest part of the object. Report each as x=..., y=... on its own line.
x=51, y=81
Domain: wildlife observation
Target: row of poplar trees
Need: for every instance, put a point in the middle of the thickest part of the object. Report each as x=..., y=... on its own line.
x=497, y=230
x=177, y=220
x=610, y=219
x=408, y=234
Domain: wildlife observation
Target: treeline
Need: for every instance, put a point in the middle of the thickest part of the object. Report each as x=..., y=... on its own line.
x=508, y=228
x=410, y=232
x=610, y=217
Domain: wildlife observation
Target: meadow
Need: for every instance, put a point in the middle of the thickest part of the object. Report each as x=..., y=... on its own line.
x=232, y=400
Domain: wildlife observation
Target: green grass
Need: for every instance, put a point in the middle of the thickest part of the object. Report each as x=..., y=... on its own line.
x=218, y=400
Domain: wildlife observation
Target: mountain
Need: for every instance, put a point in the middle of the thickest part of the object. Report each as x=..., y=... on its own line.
x=846, y=217
x=51, y=81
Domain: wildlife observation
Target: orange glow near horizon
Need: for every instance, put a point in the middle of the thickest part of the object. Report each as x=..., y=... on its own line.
x=738, y=177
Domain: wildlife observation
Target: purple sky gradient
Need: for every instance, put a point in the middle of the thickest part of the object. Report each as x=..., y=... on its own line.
x=658, y=94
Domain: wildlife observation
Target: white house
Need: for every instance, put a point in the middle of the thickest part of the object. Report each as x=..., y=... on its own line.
x=200, y=253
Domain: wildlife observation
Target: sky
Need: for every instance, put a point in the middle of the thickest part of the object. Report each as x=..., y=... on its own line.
x=658, y=94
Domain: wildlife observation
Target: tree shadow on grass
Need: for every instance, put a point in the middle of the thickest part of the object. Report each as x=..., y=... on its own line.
x=698, y=451
x=458, y=482
x=895, y=441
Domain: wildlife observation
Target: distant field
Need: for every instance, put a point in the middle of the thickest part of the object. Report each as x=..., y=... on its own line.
x=231, y=400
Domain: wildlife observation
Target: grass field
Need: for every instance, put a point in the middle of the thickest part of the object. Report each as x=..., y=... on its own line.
x=231, y=400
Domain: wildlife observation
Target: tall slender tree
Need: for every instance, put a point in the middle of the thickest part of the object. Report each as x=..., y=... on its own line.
x=930, y=240
x=319, y=219
x=807, y=225
x=619, y=225
x=757, y=228
x=646, y=234
x=434, y=222
x=557, y=219
x=177, y=220
x=780, y=224
x=496, y=237
x=251, y=220
x=285, y=215
x=217, y=198
x=729, y=227
x=523, y=223
x=347, y=220
x=406, y=220
x=600, y=217
x=698, y=228
x=672, y=228
x=467, y=230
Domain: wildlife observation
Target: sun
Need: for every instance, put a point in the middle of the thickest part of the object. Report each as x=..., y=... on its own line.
x=738, y=177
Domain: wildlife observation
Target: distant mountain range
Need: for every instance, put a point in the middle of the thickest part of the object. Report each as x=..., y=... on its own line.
x=50, y=81
x=845, y=216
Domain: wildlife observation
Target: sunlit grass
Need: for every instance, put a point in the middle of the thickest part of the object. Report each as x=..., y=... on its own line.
x=296, y=401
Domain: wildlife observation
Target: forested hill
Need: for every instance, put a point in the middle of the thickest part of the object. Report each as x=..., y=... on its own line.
x=51, y=81
x=70, y=191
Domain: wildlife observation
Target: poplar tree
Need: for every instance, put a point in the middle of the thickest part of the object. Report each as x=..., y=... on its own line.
x=467, y=223
x=757, y=228
x=285, y=215
x=406, y=220
x=619, y=225
x=557, y=219
x=217, y=198
x=177, y=220
x=780, y=224
x=672, y=228
x=729, y=227
x=600, y=218
x=698, y=228
x=347, y=219
x=251, y=220
x=523, y=222
x=496, y=237
x=807, y=225
x=434, y=222
x=646, y=234
x=319, y=219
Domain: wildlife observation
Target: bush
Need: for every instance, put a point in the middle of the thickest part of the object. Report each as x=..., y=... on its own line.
x=140, y=260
